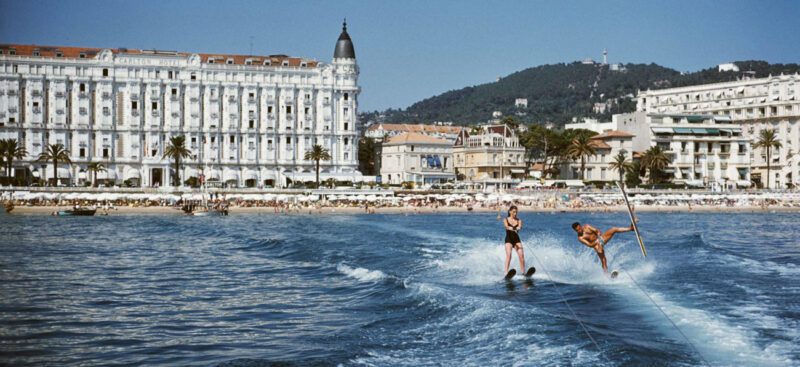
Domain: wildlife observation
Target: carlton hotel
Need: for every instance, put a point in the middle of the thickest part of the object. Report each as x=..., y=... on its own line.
x=248, y=120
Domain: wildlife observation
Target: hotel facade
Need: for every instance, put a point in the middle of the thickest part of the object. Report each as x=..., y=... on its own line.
x=753, y=105
x=248, y=120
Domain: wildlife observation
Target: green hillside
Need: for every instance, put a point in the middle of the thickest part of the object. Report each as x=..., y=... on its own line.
x=557, y=93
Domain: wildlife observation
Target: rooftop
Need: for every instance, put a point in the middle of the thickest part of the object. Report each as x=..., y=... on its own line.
x=406, y=138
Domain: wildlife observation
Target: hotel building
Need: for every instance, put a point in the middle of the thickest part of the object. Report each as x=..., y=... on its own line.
x=417, y=158
x=492, y=157
x=248, y=120
x=752, y=104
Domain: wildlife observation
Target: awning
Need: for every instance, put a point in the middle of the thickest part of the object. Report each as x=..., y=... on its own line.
x=82, y=175
x=695, y=118
x=743, y=183
x=699, y=131
x=662, y=130
x=723, y=118
x=268, y=175
x=776, y=97
x=107, y=175
x=740, y=89
x=131, y=173
x=230, y=175
x=250, y=174
x=213, y=175
x=437, y=161
x=190, y=172
x=516, y=170
x=742, y=171
x=36, y=174
x=712, y=131
x=63, y=172
x=679, y=130
x=431, y=162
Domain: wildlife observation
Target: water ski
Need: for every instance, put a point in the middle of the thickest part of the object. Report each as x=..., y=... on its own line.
x=510, y=274
x=530, y=272
x=633, y=220
x=614, y=274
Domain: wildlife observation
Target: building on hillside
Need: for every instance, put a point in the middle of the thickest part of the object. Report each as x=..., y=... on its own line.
x=247, y=120
x=493, y=157
x=378, y=132
x=728, y=66
x=753, y=104
x=634, y=123
x=417, y=158
x=521, y=103
x=598, y=167
x=705, y=150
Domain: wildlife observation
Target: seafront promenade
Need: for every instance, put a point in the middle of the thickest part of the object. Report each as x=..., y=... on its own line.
x=45, y=200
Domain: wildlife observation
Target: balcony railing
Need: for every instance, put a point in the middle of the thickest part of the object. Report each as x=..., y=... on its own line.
x=134, y=97
x=135, y=113
x=12, y=92
x=155, y=113
x=173, y=98
x=36, y=110
x=36, y=93
x=106, y=95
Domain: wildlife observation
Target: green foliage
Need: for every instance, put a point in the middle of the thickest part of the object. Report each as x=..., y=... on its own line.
x=768, y=140
x=556, y=93
x=176, y=150
x=655, y=160
x=367, y=155
x=316, y=154
x=633, y=178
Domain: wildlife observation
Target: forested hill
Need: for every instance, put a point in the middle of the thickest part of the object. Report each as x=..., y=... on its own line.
x=557, y=93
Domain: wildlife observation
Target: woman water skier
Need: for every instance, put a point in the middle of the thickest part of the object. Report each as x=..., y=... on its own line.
x=513, y=225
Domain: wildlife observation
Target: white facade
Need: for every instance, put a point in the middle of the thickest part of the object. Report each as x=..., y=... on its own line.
x=417, y=158
x=598, y=167
x=248, y=120
x=753, y=104
x=634, y=123
x=705, y=150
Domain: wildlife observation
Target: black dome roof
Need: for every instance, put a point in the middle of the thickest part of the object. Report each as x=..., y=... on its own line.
x=344, y=46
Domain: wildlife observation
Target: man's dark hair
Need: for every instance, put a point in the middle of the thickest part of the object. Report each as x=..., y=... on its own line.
x=575, y=225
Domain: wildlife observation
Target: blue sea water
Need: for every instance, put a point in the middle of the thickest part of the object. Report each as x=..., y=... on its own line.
x=395, y=290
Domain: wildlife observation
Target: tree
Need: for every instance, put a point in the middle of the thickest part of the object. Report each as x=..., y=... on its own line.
x=475, y=130
x=55, y=153
x=654, y=161
x=620, y=164
x=10, y=150
x=176, y=149
x=316, y=154
x=539, y=142
x=633, y=172
x=93, y=168
x=510, y=122
x=768, y=140
x=580, y=148
x=367, y=150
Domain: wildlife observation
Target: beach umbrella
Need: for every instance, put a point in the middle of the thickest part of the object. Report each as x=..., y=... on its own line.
x=407, y=198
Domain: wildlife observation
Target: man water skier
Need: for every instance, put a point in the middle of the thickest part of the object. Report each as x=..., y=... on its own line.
x=592, y=237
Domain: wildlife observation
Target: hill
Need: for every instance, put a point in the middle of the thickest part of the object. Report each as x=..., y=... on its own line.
x=558, y=92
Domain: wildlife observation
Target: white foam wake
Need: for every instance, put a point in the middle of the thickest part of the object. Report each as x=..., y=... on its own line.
x=364, y=275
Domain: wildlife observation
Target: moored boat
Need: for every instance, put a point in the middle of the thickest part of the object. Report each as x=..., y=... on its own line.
x=76, y=211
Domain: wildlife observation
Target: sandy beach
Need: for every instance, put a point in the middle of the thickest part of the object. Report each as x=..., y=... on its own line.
x=167, y=210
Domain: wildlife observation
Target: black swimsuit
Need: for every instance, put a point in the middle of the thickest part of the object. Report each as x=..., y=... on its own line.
x=511, y=236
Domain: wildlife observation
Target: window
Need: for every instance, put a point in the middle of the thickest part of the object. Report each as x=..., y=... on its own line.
x=35, y=52
x=306, y=110
x=59, y=54
x=155, y=105
x=210, y=60
x=83, y=87
x=193, y=76
x=269, y=109
x=213, y=139
x=252, y=95
x=233, y=138
x=285, y=63
x=346, y=112
x=82, y=55
x=346, y=96
x=82, y=152
x=174, y=91
x=345, y=141
x=346, y=155
x=105, y=72
x=252, y=124
x=105, y=153
x=194, y=140
x=134, y=106
x=288, y=109
x=288, y=140
x=229, y=61
x=345, y=126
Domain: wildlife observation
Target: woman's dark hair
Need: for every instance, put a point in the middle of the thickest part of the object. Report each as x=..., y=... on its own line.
x=513, y=207
x=575, y=225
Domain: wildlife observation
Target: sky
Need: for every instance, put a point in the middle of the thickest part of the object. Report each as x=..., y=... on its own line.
x=411, y=50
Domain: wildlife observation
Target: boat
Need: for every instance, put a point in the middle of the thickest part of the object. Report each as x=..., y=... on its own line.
x=206, y=209
x=76, y=211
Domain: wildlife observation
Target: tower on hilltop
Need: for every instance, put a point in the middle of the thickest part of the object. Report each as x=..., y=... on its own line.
x=605, y=60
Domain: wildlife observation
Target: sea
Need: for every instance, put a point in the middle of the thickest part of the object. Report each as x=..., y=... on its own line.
x=717, y=289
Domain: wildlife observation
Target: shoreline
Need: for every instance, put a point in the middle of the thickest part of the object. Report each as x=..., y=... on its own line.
x=166, y=210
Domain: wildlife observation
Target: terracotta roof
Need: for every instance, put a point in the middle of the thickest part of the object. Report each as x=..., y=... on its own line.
x=599, y=144
x=415, y=138
x=89, y=52
x=612, y=134
x=638, y=154
x=416, y=128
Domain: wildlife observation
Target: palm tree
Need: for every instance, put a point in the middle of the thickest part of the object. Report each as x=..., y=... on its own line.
x=581, y=147
x=55, y=153
x=93, y=168
x=620, y=164
x=768, y=140
x=655, y=160
x=9, y=150
x=316, y=154
x=176, y=149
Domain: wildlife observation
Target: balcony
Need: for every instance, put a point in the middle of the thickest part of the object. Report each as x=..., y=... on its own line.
x=193, y=99
x=36, y=93
x=82, y=111
x=195, y=115
x=106, y=112
x=12, y=110
x=135, y=113
x=106, y=95
x=213, y=98
x=307, y=102
x=12, y=92
x=154, y=97
x=251, y=100
x=155, y=113
x=270, y=99
x=234, y=116
x=214, y=115
x=175, y=115
x=37, y=110
x=134, y=97
x=173, y=98
x=83, y=95
x=231, y=99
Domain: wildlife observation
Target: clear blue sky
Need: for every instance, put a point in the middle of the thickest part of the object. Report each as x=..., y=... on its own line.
x=411, y=50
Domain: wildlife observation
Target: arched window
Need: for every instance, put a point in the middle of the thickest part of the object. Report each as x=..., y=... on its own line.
x=346, y=96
